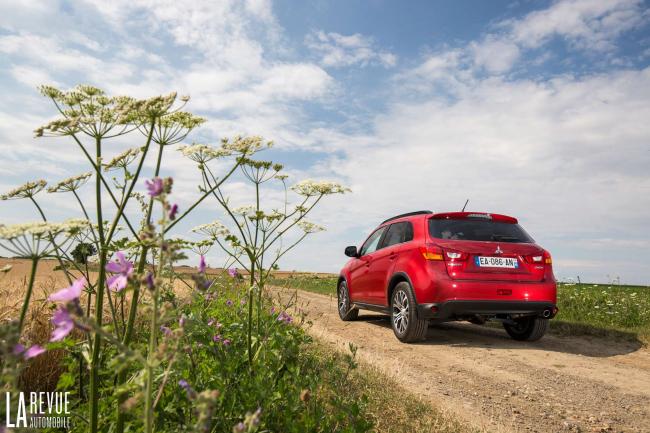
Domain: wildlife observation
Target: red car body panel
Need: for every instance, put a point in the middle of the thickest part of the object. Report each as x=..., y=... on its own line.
x=439, y=281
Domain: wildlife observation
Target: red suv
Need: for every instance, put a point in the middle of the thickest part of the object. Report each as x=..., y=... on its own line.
x=420, y=267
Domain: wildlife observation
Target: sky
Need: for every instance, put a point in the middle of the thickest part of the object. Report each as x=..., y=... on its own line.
x=536, y=109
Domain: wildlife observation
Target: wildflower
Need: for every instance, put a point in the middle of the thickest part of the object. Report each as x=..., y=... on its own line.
x=173, y=211
x=149, y=281
x=309, y=227
x=32, y=352
x=214, y=229
x=239, y=428
x=165, y=330
x=201, y=247
x=123, y=159
x=226, y=342
x=188, y=389
x=69, y=293
x=214, y=322
x=310, y=188
x=123, y=269
x=155, y=186
x=203, y=153
x=229, y=303
x=63, y=324
x=216, y=338
x=245, y=145
x=28, y=190
x=242, y=302
x=70, y=184
x=244, y=210
x=233, y=272
x=202, y=265
x=285, y=317
x=181, y=321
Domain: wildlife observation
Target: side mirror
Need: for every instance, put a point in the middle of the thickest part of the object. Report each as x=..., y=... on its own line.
x=351, y=251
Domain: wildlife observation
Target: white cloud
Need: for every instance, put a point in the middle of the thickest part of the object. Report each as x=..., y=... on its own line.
x=337, y=50
x=587, y=24
x=495, y=55
x=590, y=26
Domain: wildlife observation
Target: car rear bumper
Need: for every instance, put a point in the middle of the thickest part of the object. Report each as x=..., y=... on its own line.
x=451, y=310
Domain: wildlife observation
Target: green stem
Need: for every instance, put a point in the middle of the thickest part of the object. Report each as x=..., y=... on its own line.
x=99, y=299
x=249, y=338
x=98, y=170
x=136, y=176
x=207, y=193
x=128, y=332
x=56, y=247
x=30, y=287
x=148, y=396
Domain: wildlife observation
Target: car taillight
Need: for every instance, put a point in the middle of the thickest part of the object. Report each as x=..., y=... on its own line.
x=431, y=253
x=456, y=256
x=535, y=259
x=538, y=259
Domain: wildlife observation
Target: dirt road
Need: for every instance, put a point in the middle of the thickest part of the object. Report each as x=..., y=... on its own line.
x=558, y=384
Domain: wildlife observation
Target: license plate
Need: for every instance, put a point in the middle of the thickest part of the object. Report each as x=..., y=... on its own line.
x=496, y=262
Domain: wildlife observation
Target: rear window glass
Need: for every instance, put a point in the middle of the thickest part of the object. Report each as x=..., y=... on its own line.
x=477, y=230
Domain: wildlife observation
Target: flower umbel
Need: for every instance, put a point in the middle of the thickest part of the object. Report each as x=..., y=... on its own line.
x=311, y=187
x=70, y=184
x=28, y=190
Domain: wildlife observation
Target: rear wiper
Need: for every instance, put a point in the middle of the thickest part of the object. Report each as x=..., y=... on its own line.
x=505, y=238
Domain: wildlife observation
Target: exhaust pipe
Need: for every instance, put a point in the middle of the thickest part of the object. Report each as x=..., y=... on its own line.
x=546, y=314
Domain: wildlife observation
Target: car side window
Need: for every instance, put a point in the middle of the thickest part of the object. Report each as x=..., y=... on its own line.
x=398, y=233
x=370, y=246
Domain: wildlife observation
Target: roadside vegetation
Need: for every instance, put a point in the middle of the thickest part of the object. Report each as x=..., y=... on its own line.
x=604, y=310
x=143, y=345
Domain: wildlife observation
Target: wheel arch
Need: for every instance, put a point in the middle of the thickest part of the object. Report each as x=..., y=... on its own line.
x=338, y=283
x=395, y=279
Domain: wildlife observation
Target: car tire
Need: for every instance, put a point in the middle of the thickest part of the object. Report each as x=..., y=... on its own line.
x=408, y=328
x=346, y=311
x=527, y=328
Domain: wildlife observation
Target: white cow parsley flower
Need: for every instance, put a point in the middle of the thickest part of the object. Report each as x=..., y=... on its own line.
x=311, y=187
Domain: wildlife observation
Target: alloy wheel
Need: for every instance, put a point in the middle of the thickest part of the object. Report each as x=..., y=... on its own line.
x=400, y=311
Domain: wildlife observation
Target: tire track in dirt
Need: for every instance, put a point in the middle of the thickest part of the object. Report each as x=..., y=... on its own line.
x=559, y=384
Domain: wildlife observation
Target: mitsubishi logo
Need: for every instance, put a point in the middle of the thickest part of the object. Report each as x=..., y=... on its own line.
x=498, y=250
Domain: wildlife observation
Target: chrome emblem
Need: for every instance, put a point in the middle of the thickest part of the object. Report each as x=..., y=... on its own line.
x=498, y=250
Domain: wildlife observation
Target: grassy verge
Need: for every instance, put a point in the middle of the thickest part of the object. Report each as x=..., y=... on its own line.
x=300, y=384
x=600, y=310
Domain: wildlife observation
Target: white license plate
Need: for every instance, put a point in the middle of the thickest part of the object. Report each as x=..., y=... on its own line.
x=496, y=262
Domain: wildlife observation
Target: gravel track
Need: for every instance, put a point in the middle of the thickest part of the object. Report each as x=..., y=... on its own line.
x=559, y=384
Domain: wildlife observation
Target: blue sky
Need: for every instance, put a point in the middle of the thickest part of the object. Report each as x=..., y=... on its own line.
x=537, y=109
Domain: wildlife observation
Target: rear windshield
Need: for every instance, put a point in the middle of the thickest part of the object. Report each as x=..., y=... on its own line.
x=478, y=230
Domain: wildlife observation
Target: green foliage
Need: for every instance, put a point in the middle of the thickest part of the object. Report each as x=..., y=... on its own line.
x=311, y=283
x=294, y=388
x=607, y=306
x=82, y=251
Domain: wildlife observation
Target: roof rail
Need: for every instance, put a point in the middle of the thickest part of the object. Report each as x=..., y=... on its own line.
x=419, y=212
